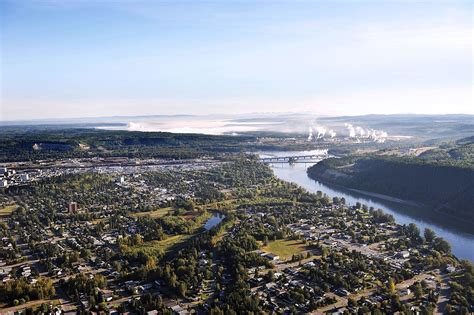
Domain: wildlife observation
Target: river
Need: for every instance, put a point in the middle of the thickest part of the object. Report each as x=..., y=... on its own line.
x=462, y=243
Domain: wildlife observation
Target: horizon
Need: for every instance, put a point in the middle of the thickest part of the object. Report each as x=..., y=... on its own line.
x=86, y=59
x=87, y=119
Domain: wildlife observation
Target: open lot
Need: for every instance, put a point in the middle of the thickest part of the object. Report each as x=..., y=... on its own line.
x=285, y=248
x=6, y=211
x=158, y=213
x=157, y=247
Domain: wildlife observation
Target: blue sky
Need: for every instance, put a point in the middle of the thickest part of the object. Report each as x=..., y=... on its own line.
x=82, y=58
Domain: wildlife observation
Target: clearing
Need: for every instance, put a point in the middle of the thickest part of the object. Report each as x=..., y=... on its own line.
x=7, y=210
x=285, y=248
x=158, y=213
x=157, y=247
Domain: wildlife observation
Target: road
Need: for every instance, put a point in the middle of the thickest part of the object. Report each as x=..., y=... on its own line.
x=342, y=301
x=444, y=293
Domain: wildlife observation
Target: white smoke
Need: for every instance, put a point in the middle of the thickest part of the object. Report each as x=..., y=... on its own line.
x=360, y=131
x=350, y=128
x=133, y=126
x=363, y=133
x=321, y=132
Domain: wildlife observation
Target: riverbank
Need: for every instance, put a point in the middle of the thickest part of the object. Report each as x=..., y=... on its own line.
x=461, y=239
x=384, y=197
x=448, y=189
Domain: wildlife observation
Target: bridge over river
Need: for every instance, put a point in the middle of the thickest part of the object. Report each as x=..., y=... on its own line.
x=312, y=158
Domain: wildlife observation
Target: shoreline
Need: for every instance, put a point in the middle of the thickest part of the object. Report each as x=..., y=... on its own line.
x=435, y=216
x=383, y=197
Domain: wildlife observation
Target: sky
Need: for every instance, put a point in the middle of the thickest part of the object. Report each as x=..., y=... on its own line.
x=88, y=58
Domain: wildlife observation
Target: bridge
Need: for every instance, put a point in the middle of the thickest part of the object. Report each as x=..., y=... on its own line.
x=294, y=158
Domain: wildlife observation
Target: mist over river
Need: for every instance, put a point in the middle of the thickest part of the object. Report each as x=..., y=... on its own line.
x=458, y=235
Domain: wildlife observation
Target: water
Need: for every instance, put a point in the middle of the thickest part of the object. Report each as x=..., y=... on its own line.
x=213, y=221
x=457, y=234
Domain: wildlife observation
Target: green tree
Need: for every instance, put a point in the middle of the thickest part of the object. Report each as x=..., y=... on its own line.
x=429, y=235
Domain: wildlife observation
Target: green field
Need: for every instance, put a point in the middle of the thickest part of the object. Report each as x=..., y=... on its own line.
x=285, y=248
x=6, y=211
x=158, y=247
x=158, y=213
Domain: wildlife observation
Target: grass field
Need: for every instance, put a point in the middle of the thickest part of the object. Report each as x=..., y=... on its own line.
x=157, y=247
x=158, y=213
x=285, y=248
x=6, y=211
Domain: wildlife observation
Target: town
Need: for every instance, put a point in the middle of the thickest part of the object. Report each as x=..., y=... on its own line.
x=212, y=236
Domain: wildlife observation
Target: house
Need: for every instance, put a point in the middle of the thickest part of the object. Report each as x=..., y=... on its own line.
x=270, y=285
x=178, y=310
x=404, y=254
x=342, y=292
x=310, y=264
x=404, y=292
x=450, y=268
x=271, y=256
x=107, y=295
x=337, y=311
x=24, y=177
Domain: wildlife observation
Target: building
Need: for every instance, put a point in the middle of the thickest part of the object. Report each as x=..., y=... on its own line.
x=24, y=177
x=3, y=183
x=178, y=310
x=271, y=256
x=404, y=254
x=73, y=207
x=122, y=179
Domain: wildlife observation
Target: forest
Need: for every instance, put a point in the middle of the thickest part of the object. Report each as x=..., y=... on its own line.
x=442, y=178
x=35, y=143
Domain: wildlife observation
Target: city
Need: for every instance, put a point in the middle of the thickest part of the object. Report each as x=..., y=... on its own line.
x=236, y=157
x=117, y=238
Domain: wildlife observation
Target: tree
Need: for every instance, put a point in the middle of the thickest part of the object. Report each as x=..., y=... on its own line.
x=391, y=286
x=270, y=276
x=442, y=246
x=395, y=303
x=413, y=230
x=351, y=302
x=182, y=288
x=417, y=291
x=429, y=235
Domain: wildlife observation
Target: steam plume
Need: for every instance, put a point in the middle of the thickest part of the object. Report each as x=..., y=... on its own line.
x=362, y=133
x=310, y=135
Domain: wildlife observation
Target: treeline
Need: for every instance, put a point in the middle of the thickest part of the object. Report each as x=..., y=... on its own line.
x=449, y=189
x=31, y=143
x=20, y=291
x=18, y=144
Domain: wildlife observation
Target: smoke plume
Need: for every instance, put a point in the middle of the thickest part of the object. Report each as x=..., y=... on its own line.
x=366, y=133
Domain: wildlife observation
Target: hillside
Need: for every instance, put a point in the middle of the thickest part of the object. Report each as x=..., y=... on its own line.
x=445, y=183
